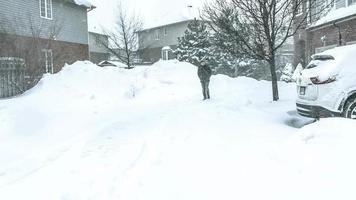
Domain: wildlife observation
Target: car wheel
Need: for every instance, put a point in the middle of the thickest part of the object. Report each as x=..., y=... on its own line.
x=350, y=108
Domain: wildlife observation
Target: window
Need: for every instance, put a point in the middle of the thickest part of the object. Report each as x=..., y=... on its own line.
x=157, y=34
x=165, y=32
x=299, y=7
x=352, y=42
x=166, y=53
x=47, y=58
x=351, y=2
x=329, y=4
x=46, y=9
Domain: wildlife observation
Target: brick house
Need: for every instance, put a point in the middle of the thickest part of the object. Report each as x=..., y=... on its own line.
x=45, y=33
x=158, y=42
x=336, y=27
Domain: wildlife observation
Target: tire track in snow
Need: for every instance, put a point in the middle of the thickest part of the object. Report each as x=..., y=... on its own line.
x=49, y=158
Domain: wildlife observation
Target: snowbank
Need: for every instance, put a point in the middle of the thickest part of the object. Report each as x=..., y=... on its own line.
x=109, y=133
x=323, y=154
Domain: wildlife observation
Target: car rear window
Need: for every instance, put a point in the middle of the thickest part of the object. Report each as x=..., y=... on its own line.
x=323, y=57
x=316, y=59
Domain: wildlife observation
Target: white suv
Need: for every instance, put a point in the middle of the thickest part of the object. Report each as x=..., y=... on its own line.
x=327, y=86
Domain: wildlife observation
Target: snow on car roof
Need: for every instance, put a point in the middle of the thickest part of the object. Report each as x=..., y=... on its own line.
x=342, y=64
x=112, y=62
x=341, y=51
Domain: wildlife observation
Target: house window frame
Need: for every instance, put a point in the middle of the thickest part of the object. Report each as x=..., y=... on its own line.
x=48, y=64
x=46, y=13
x=165, y=52
x=330, y=4
x=348, y=4
x=351, y=42
x=156, y=34
x=300, y=9
x=165, y=32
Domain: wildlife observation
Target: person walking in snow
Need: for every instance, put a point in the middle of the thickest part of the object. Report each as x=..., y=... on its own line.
x=196, y=48
x=204, y=74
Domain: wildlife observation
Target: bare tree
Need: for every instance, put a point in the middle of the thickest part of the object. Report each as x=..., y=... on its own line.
x=123, y=40
x=42, y=37
x=261, y=27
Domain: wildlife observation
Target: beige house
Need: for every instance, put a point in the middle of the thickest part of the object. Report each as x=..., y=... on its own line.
x=159, y=42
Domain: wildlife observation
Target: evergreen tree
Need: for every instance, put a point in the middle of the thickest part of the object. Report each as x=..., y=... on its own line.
x=201, y=43
x=195, y=46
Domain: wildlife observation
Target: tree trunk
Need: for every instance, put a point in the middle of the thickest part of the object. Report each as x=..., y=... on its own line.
x=127, y=58
x=272, y=67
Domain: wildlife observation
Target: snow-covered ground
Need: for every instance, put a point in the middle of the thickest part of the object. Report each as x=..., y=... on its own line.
x=109, y=133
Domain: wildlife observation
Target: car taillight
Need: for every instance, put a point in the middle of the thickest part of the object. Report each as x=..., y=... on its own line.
x=317, y=81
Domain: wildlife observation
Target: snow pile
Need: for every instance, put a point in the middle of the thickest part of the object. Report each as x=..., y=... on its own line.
x=109, y=133
x=336, y=14
x=287, y=73
x=86, y=3
x=112, y=63
x=297, y=72
x=323, y=154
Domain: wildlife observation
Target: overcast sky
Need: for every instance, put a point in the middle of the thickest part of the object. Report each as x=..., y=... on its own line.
x=151, y=11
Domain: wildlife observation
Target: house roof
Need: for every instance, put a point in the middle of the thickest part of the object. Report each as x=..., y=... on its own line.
x=165, y=24
x=336, y=15
x=98, y=34
x=173, y=17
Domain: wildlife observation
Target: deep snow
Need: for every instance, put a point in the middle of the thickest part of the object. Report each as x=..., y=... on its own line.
x=109, y=133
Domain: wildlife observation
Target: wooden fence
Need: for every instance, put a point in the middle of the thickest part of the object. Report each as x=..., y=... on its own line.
x=12, y=77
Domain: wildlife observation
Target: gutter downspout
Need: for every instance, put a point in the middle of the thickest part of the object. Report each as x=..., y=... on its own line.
x=340, y=36
x=88, y=34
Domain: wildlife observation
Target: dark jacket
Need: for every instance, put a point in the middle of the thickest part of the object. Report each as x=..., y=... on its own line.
x=204, y=73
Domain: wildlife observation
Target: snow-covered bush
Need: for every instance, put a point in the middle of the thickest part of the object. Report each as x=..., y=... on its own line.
x=287, y=73
x=297, y=71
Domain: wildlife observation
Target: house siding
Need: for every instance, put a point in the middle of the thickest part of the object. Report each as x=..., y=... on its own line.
x=63, y=52
x=97, y=50
x=97, y=42
x=154, y=54
x=340, y=3
x=98, y=57
x=17, y=16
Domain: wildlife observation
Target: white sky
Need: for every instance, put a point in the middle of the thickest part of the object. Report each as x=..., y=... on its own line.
x=153, y=12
